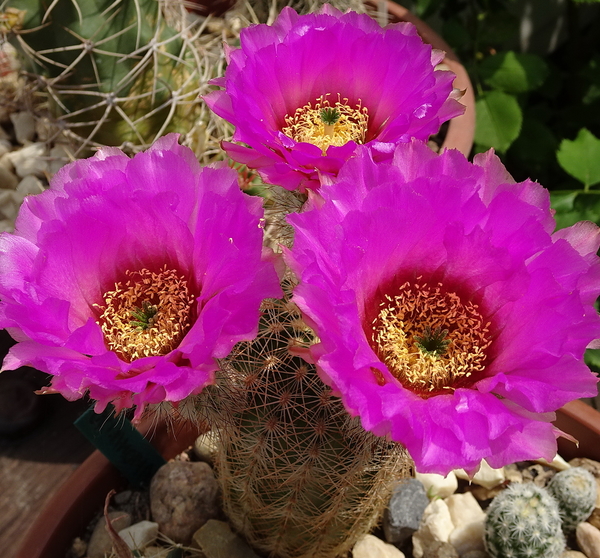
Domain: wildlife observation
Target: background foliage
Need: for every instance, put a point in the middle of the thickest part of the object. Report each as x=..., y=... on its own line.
x=535, y=67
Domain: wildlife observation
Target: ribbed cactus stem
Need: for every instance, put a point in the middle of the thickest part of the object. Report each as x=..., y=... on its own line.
x=300, y=477
x=113, y=73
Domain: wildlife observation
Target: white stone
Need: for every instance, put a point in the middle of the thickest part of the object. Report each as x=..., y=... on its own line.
x=139, y=535
x=464, y=509
x=101, y=542
x=372, y=547
x=436, y=525
x=6, y=163
x=59, y=157
x=24, y=124
x=486, y=476
x=468, y=537
x=438, y=485
x=30, y=185
x=29, y=160
x=557, y=463
x=588, y=540
x=5, y=146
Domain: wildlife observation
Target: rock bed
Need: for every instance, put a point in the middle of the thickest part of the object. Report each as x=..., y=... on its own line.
x=430, y=516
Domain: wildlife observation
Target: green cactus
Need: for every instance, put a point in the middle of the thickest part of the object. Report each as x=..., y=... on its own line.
x=300, y=478
x=523, y=522
x=112, y=72
x=575, y=491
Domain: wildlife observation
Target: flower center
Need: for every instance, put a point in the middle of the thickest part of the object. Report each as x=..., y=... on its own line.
x=147, y=315
x=327, y=123
x=429, y=338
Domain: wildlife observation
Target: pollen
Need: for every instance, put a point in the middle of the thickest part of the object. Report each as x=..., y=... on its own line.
x=147, y=314
x=430, y=339
x=324, y=123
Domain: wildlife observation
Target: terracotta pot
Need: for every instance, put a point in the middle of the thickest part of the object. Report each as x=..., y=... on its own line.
x=461, y=130
x=79, y=499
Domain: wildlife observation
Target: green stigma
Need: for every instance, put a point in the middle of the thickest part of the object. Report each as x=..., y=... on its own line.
x=330, y=116
x=433, y=342
x=143, y=318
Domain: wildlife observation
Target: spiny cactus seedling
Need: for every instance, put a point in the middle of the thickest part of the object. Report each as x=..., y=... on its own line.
x=523, y=521
x=575, y=491
x=112, y=72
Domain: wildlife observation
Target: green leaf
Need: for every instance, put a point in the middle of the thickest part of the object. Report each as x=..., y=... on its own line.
x=514, y=72
x=499, y=120
x=581, y=157
x=573, y=206
x=592, y=359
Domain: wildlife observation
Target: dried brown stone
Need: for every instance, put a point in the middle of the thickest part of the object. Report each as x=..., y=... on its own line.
x=183, y=497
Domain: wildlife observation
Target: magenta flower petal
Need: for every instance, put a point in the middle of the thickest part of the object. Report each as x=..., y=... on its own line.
x=128, y=278
x=449, y=314
x=280, y=69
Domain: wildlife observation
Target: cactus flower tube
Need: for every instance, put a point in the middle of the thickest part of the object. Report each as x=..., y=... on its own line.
x=449, y=314
x=304, y=92
x=128, y=278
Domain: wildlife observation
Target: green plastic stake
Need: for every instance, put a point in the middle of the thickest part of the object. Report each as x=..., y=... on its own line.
x=121, y=444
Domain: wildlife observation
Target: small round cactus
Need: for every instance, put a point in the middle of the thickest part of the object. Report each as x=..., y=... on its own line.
x=575, y=491
x=523, y=521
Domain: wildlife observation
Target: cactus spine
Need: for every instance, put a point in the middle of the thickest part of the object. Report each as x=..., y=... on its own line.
x=523, y=521
x=300, y=477
x=112, y=72
x=575, y=491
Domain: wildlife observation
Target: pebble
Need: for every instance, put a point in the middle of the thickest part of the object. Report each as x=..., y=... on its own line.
x=29, y=160
x=139, y=535
x=8, y=181
x=475, y=554
x=438, y=485
x=205, y=447
x=538, y=475
x=557, y=463
x=78, y=548
x=436, y=526
x=5, y=146
x=588, y=540
x=101, y=543
x=30, y=185
x=24, y=126
x=572, y=554
x=183, y=496
x=441, y=550
x=468, y=537
x=373, y=547
x=464, y=509
x=215, y=539
x=59, y=156
x=594, y=519
x=403, y=515
x=486, y=476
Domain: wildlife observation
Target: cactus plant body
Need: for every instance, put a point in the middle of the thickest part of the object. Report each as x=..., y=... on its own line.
x=575, y=491
x=523, y=521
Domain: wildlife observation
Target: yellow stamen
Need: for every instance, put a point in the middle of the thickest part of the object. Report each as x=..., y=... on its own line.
x=429, y=338
x=147, y=315
x=307, y=125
